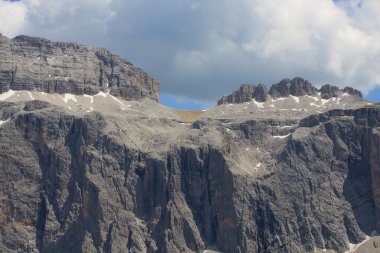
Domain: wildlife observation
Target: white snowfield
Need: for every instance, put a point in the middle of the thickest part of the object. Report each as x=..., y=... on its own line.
x=2, y=122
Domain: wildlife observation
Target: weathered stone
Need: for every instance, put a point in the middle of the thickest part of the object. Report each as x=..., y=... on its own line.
x=246, y=93
x=296, y=87
x=29, y=63
x=329, y=91
x=78, y=181
x=260, y=94
x=352, y=91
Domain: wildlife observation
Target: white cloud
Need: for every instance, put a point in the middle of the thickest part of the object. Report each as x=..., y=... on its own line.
x=12, y=17
x=68, y=19
x=334, y=43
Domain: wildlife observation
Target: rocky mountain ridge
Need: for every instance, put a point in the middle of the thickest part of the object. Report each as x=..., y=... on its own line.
x=286, y=87
x=36, y=64
x=99, y=173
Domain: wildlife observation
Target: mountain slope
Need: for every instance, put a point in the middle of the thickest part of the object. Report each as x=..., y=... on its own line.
x=98, y=173
x=29, y=63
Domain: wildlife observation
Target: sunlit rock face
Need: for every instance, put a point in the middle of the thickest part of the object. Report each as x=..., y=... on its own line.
x=35, y=64
x=96, y=172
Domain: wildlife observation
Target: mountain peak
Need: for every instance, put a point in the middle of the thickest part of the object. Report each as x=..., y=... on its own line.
x=37, y=64
x=297, y=86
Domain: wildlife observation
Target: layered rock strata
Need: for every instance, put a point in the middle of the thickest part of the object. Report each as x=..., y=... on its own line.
x=246, y=93
x=286, y=87
x=98, y=183
x=36, y=64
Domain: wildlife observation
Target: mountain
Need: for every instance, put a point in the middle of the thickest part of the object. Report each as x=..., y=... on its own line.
x=106, y=171
x=286, y=87
x=29, y=63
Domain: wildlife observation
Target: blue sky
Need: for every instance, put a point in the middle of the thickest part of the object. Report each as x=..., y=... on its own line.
x=200, y=50
x=374, y=94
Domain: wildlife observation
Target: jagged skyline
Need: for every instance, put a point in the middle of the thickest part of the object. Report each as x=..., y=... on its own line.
x=199, y=50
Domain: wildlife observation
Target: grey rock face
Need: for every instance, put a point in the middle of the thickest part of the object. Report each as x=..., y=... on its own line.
x=120, y=179
x=352, y=91
x=82, y=183
x=246, y=93
x=286, y=87
x=296, y=87
x=260, y=94
x=329, y=91
x=29, y=63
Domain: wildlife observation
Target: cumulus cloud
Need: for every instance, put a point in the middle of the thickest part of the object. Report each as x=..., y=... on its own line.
x=85, y=20
x=202, y=49
x=12, y=17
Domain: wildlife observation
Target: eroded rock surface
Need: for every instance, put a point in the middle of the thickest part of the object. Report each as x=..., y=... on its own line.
x=246, y=93
x=74, y=182
x=298, y=172
x=296, y=87
x=36, y=64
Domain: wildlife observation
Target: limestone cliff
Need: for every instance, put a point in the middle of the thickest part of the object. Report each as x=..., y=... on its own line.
x=285, y=88
x=29, y=63
x=98, y=173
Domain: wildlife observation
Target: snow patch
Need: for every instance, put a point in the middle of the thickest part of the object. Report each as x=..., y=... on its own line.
x=273, y=106
x=258, y=165
x=325, y=101
x=90, y=97
x=314, y=98
x=102, y=94
x=258, y=104
x=312, y=104
x=281, y=136
x=68, y=97
x=345, y=95
x=90, y=110
x=117, y=100
x=297, y=99
x=6, y=95
x=278, y=99
x=2, y=122
x=30, y=95
x=354, y=247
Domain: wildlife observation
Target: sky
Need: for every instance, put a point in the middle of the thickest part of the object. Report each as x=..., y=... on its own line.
x=200, y=50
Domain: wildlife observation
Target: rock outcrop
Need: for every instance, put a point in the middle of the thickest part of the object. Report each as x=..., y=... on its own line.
x=35, y=64
x=101, y=174
x=296, y=87
x=246, y=93
x=328, y=91
x=73, y=183
x=285, y=88
x=352, y=91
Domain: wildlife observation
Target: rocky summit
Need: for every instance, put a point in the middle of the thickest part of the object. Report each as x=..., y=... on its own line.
x=94, y=163
x=36, y=64
x=286, y=87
